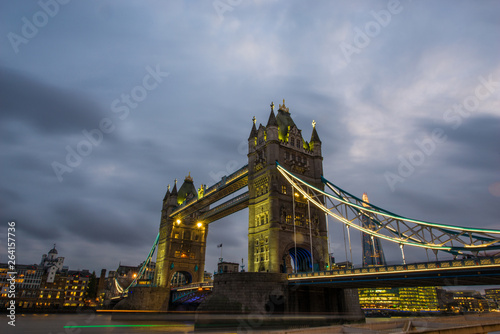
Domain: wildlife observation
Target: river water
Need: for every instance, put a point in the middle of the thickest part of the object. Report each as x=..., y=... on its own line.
x=92, y=323
x=87, y=323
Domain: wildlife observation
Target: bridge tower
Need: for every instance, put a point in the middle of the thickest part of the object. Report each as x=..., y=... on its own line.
x=273, y=246
x=181, y=247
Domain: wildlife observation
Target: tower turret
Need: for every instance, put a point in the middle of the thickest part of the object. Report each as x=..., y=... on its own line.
x=315, y=143
x=252, y=139
x=272, y=126
x=187, y=190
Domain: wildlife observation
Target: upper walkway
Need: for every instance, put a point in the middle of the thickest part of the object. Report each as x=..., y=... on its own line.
x=226, y=186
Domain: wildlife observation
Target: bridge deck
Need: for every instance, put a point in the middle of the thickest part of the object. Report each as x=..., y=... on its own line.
x=480, y=271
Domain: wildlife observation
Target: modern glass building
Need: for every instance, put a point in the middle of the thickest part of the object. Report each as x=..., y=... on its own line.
x=411, y=298
x=402, y=299
x=373, y=255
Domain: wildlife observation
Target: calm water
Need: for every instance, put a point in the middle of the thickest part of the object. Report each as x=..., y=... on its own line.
x=54, y=324
x=99, y=324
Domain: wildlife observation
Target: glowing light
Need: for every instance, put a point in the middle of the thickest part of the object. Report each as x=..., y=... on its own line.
x=178, y=221
x=199, y=224
x=134, y=275
x=111, y=326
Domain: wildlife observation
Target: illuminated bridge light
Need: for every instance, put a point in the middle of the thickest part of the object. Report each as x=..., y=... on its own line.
x=112, y=326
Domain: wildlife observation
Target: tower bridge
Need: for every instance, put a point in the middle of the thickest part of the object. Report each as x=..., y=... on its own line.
x=289, y=203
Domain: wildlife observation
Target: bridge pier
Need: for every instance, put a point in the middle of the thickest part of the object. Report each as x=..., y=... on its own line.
x=268, y=294
x=315, y=299
x=145, y=298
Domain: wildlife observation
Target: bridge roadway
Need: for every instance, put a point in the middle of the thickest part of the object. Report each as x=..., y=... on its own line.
x=477, y=271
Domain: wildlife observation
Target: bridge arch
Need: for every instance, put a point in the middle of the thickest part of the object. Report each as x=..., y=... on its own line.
x=302, y=260
x=180, y=278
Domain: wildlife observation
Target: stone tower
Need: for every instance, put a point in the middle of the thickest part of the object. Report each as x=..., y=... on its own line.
x=272, y=244
x=181, y=247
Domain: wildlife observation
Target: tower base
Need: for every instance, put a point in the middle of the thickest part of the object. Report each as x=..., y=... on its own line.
x=265, y=300
x=145, y=298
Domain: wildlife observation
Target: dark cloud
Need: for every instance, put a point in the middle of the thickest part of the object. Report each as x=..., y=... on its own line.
x=222, y=72
x=47, y=109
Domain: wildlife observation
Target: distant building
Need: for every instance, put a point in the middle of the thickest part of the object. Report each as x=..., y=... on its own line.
x=343, y=265
x=446, y=301
x=51, y=264
x=470, y=301
x=28, y=281
x=379, y=298
x=409, y=298
x=373, y=255
x=494, y=296
x=47, y=285
x=227, y=267
x=403, y=299
x=423, y=298
x=207, y=277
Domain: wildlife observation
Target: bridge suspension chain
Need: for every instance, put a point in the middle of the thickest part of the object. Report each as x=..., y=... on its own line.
x=142, y=270
x=348, y=209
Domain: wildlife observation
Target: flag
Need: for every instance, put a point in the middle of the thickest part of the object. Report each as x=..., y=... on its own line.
x=219, y=246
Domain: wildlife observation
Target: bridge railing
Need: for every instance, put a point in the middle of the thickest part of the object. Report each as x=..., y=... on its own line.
x=192, y=286
x=440, y=265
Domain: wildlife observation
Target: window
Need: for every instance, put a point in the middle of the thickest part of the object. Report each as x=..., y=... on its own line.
x=283, y=189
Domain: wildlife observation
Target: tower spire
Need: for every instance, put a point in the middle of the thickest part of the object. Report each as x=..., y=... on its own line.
x=314, y=135
x=253, y=133
x=272, y=119
x=174, y=191
x=167, y=193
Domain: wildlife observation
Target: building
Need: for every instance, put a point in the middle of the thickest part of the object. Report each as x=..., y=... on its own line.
x=28, y=280
x=470, y=301
x=405, y=299
x=227, y=267
x=51, y=264
x=418, y=298
x=379, y=298
x=401, y=299
x=373, y=255
x=494, y=296
x=47, y=285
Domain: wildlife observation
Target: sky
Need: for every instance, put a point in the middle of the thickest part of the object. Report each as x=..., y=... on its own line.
x=104, y=103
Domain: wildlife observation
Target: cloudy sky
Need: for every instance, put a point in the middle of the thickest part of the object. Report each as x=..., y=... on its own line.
x=405, y=96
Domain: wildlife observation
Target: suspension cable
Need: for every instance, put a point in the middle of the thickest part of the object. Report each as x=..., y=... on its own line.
x=294, y=230
x=328, y=245
x=310, y=234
